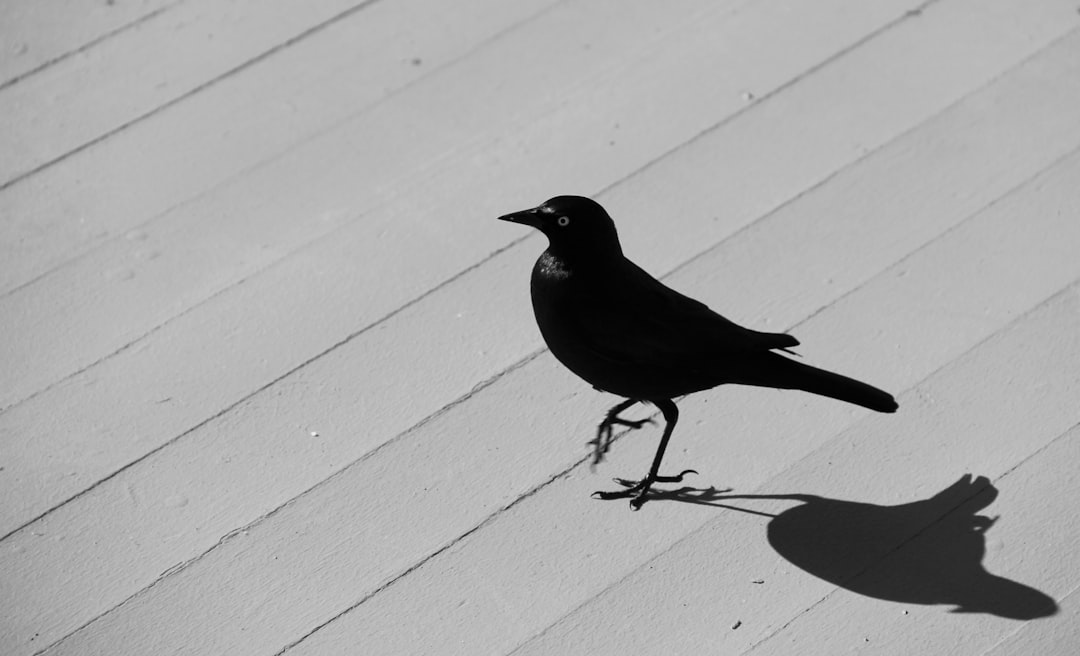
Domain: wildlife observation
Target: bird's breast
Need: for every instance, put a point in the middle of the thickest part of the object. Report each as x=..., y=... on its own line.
x=567, y=303
x=559, y=296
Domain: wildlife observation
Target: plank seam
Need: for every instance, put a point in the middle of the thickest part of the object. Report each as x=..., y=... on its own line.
x=88, y=45
x=458, y=275
x=606, y=188
x=467, y=396
x=426, y=559
x=493, y=516
x=254, y=166
x=476, y=389
x=194, y=90
x=1004, y=197
x=278, y=379
x=640, y=170
x=497, y=513
x=243, y=530
x=498, y=251
x=843, y=52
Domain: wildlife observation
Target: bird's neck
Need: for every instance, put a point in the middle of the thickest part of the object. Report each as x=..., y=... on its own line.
x=572, y=257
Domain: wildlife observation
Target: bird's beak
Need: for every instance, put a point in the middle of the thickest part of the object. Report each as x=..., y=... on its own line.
x=529, y=217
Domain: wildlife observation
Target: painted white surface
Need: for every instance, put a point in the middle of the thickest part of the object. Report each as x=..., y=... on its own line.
x=187, y=150
x=734, y=445
x=395, y=177
x=385, y=247
x=231, y=329
x=688, y=594
x=78, y=100
x=34, y=35
x=271, y=382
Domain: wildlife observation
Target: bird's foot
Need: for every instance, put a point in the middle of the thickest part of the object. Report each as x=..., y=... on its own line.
x=637, y=490
x=605, y=432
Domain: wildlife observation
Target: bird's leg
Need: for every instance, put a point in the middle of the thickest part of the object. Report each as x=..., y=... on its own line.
x=637, y=490
x=606, y=430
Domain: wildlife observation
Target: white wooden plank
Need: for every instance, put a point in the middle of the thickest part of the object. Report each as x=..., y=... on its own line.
x=76, y=603
x=226, y=512
x=83, y=437
x=408, y=247
x=347, y=538
x=128, y=410
x=1029, y=554
x=118, y=81
x=1060, y=635
x=669, y=601
x=134, y=283
x=35, y=34
x=174, y=500
x=555, y=551
x=227, y=128
x=828, y=612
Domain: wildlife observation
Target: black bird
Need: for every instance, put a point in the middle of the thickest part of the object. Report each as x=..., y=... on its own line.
x=628, y=334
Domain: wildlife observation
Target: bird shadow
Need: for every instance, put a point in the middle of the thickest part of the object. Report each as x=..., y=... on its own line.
x=857, y=546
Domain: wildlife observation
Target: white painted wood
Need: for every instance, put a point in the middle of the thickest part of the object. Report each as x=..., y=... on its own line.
x=347, y=538
x=86, y=438
x=122, y=291
x=335, y=274
x=35, y=34
x=218, y=543
x=230, y=513
x=80, y=99
x=1060, y=635
x=227, y=128
x=557, y=549
x=945, y=430
x=203, y=535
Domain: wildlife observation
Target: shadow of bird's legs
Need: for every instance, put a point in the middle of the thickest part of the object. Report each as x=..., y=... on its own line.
x=606, y=430
x=637, y=490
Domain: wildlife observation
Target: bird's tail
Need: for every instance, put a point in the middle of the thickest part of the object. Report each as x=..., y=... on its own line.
x=789, y=374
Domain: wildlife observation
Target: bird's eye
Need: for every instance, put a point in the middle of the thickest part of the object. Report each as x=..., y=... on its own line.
x=563, y=221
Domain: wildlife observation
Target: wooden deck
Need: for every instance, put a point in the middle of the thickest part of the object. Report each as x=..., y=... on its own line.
x=270, y=381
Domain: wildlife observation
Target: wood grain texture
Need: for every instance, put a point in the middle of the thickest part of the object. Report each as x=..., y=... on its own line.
x=258, y=114
x=79, y=100
x=582, y=541
x=365, y=252
x=35, y=35
x=983, y=440
x=231, y=329
x=1044, y=637
x=270, y=380
x=121, y=292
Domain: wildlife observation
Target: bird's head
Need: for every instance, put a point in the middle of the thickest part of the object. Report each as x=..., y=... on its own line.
x=576, y=227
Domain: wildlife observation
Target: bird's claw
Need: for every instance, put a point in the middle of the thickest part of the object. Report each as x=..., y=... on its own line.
x=605, y=433
x=637, y=490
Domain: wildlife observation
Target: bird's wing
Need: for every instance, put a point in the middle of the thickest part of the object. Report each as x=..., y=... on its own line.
x=636, y=319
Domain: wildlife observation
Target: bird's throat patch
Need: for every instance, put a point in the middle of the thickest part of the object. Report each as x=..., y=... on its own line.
x=552, y=268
